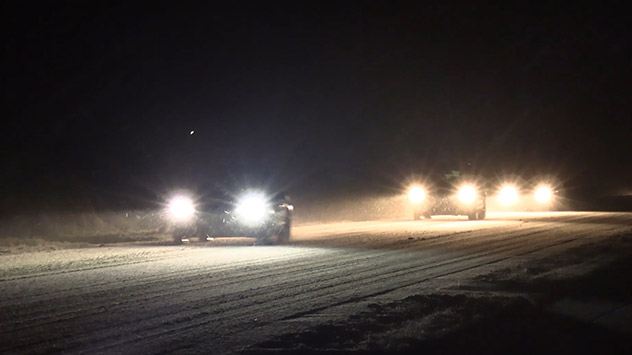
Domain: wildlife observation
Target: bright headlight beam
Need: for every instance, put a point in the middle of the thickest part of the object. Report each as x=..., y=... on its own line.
x=467, y=194
x=252, y=208
x=181, y=208
x=416, y=194
x=543, y=194
x=508, y=195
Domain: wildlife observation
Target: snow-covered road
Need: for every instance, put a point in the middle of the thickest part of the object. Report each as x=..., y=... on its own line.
x=210, y=298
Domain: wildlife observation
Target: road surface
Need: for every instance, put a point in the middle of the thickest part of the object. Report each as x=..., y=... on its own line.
x=218, y=298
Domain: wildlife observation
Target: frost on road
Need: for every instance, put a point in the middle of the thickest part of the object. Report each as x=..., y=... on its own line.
x=356, y=286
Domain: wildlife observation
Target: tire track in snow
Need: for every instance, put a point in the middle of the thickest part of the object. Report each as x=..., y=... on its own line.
x=276, y=288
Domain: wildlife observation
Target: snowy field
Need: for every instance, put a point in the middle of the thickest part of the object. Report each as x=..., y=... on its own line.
x=363, y=287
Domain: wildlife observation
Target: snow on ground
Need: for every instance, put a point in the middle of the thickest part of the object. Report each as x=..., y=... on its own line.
x=576, y=302
x=445, y=285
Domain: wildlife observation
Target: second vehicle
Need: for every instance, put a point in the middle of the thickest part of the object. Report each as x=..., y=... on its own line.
x=449, y=194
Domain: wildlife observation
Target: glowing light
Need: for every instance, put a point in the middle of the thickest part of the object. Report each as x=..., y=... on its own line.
x=543, y=194
x=192, y=133
x=467, y=194
x=181, y=208
x=252, y=208
x=416, y=194
x=508, y=195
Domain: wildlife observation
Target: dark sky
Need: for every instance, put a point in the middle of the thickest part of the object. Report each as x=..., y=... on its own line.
x=320, y=97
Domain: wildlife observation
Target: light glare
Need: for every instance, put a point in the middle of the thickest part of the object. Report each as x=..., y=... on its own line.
x=543, y=194
x=181, y=208
x=416, y=194
x=508, y=195
x=252, y=208
x=467, y=194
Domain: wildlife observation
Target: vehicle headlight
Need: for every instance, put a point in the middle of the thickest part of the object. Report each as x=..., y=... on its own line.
x=416, y=194
x=467, y=194
x=508, y=195
x=543, y=194
x=252, y=208
x=181, y=209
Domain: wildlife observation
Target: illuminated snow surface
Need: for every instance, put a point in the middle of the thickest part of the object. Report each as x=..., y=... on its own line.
x=376, y=284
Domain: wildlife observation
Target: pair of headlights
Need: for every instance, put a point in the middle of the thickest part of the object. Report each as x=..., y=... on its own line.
x=508, y=194
x=251, y=209
x=466, y=194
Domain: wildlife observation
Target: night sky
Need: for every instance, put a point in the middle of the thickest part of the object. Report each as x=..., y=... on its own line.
x=318, y=98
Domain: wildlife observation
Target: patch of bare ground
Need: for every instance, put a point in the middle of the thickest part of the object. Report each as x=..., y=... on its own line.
x=577, y=302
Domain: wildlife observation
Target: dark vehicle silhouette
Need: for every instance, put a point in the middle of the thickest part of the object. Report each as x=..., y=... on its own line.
x=250, y=213
x=449, y=194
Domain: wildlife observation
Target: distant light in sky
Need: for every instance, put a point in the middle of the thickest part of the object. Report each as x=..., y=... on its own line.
x=191, y=133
